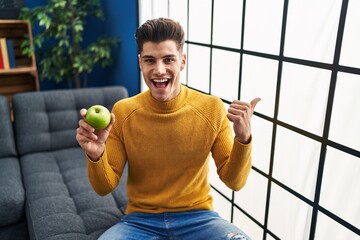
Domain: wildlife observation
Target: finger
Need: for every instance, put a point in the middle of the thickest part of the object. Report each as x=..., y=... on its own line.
x=238, y=103
x=86, y=126
x=86, y=134
x=239, y=107
x=83, y=112
x=239, y=112
x=82, y=139
x=253, y=103
x=112, y=121
x=231, y=117
x=237, y=116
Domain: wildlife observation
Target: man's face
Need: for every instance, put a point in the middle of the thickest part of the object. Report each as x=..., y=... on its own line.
x=161, y=64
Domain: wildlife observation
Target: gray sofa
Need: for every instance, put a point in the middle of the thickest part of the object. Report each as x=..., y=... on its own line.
x=12, y=194
x=55, y=193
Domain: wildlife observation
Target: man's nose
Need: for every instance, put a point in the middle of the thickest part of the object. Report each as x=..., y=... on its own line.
x=160, y=68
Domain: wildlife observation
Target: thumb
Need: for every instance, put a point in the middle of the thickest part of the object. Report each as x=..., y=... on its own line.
x=253, y=103
x=112, y=121
x=83, y=112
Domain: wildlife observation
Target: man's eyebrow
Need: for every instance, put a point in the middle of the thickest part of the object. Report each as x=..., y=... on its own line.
x=147, y=56
x=166, y=56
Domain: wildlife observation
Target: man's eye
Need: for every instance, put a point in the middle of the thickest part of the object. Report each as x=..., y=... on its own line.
x=169, y=60
x=149, y=60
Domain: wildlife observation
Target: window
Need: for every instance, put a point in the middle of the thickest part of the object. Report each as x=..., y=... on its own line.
x=302, y=57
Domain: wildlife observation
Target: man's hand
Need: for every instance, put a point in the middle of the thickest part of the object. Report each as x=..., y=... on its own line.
x=240, y=114
x=92, y=141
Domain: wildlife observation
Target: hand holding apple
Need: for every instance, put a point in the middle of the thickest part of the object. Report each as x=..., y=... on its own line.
x=92, y=138
x=98, y=117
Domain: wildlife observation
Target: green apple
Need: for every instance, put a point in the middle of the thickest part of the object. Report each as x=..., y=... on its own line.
x=98, y=116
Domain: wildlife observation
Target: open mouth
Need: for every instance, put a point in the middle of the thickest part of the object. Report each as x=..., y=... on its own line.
x=161, y=83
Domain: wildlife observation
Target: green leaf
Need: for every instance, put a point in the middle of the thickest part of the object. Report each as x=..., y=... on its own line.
x=60, y=4
x=78, y=28
x=58, y=42
x=63, y=42
x=38, y=42
x=44, y=20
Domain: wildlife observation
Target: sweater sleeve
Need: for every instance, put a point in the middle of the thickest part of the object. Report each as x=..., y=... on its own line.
x=232, y=158
x=101, y=176
x=104, y=175
x=236, y=170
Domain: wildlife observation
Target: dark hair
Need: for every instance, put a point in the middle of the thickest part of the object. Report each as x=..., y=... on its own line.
x=158, y=30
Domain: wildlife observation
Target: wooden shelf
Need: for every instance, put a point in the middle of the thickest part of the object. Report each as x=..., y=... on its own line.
x=23, y=77
x=18, y=70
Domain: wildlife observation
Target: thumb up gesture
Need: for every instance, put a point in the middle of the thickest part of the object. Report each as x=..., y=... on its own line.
x=240, y=114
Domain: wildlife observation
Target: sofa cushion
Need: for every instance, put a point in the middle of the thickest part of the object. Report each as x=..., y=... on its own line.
x=61, y=203
x=12, y=194
x=7, y=143
x=47, y=121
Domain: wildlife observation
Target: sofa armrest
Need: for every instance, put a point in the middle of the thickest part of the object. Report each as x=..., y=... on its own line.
x=12, y=193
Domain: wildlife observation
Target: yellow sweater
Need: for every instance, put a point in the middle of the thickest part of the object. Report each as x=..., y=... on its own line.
x=167, y=146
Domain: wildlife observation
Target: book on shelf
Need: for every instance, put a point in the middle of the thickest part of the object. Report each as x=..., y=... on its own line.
x=4, y=53
x=11, y=53
x=1, y=61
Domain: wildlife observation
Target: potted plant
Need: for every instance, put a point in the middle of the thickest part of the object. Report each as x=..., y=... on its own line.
x=58, y=41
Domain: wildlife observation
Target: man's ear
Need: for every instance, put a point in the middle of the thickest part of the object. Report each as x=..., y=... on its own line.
x=183, y=61
x=139, y=60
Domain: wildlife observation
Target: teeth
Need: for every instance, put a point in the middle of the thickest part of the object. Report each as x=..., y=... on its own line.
x=160, y=80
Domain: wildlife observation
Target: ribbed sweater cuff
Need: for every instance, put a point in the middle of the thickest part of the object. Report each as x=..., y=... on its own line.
x=243, y=144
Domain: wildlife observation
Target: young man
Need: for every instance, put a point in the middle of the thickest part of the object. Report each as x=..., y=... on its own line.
x=166, y=135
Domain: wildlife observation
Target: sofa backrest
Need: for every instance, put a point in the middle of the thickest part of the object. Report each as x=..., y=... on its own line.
x=47, y=120
x=7, y=143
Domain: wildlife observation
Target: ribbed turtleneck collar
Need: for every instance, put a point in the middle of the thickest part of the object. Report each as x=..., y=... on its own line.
x=168, y=106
